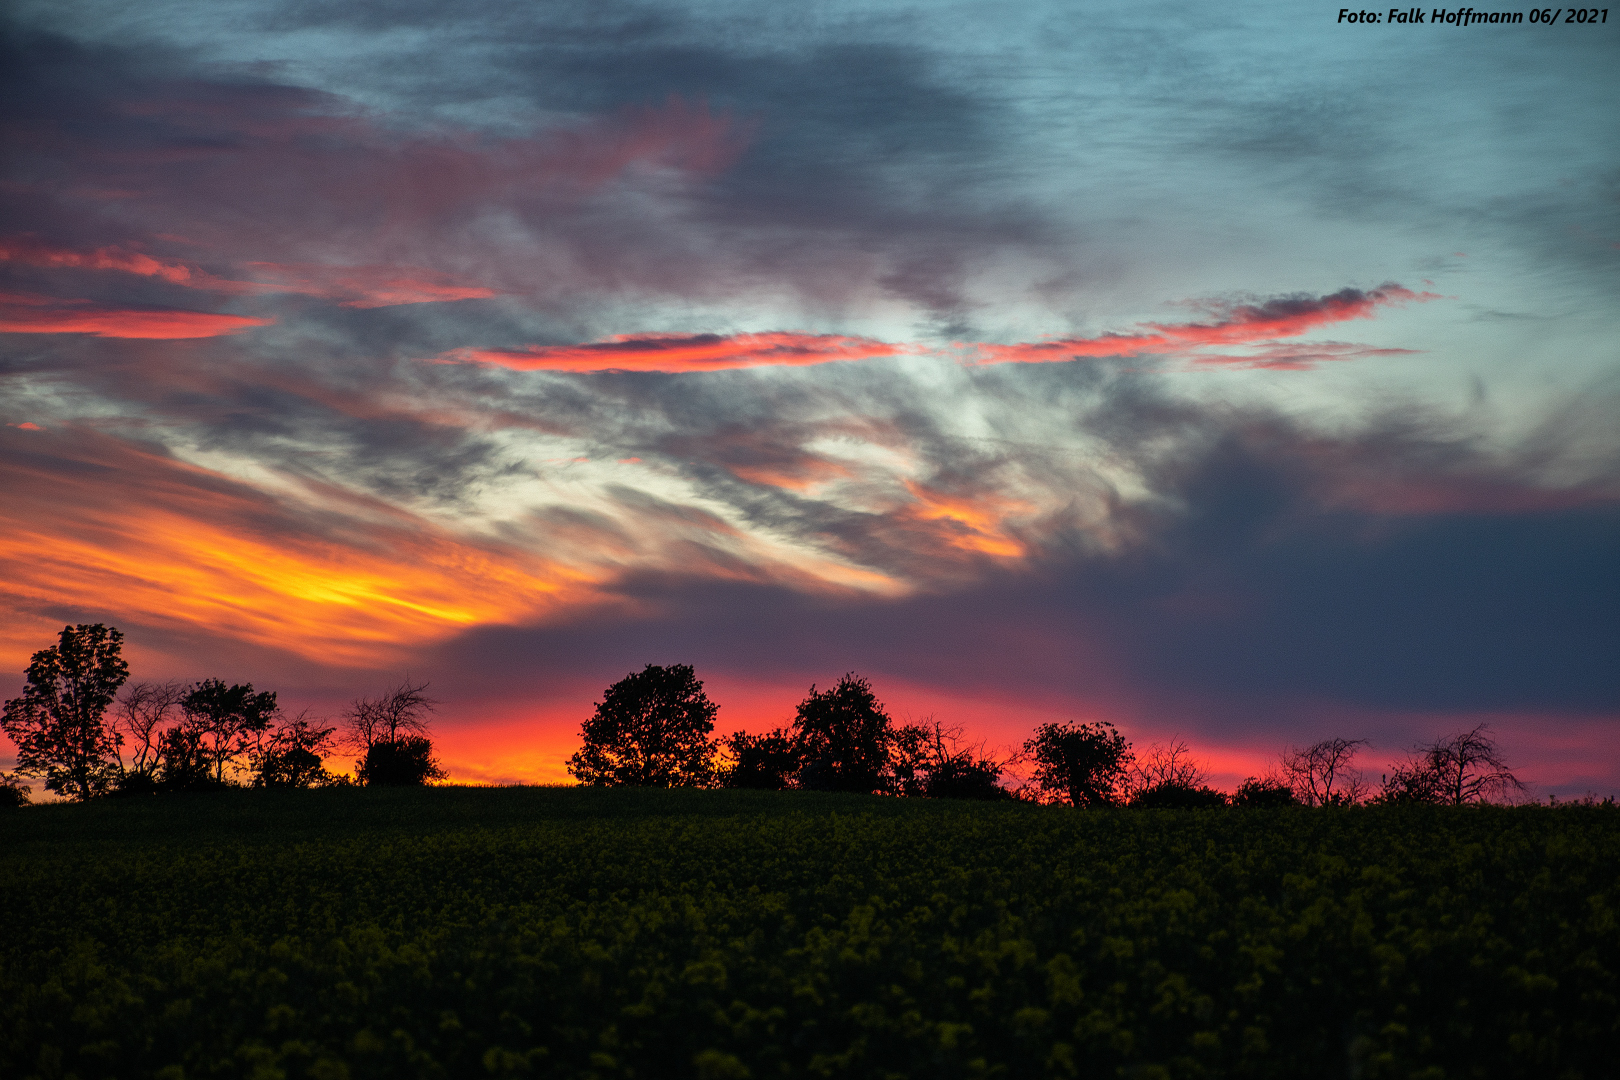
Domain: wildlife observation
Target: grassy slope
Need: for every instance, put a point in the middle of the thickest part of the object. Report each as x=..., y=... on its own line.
x=456, y=931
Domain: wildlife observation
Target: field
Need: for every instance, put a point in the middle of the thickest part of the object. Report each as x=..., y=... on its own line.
x=457, y=932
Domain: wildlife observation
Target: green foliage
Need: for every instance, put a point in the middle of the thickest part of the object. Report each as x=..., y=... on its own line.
x=651, y=729
x=577, y=933
x=407, y=761
x=844, y=738
x=1080, y=764
x=58, y=725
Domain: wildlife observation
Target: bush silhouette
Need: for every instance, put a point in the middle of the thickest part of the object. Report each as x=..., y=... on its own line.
x=403, y=762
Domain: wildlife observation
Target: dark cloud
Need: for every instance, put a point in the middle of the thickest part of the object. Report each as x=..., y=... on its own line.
x=1263, y=575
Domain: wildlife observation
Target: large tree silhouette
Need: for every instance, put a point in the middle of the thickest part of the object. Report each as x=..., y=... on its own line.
x=652, y=728
x=844, y=738
x=59, y=722
x=1080, y=764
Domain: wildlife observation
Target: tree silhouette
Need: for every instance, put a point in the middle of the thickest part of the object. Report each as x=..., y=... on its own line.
x=186, y=762
x=1324, y=773
x=1174, y=795
x=768, y=762
x=844, y=738
x=391, y=734
x=57, y=724
x=651, y=729
x=1458, y=769
x=145, y=711
x=1166, y=764
x=1080, y=764
x=930, y=760
x=293, y=755
x=222, y=723
x=400, y=712
x=407, y=761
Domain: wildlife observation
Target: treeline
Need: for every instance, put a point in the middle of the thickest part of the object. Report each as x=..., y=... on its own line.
x=655, y=728
x=74, y=730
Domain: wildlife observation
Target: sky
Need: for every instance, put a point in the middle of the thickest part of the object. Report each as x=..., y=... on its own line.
x=1224, y=372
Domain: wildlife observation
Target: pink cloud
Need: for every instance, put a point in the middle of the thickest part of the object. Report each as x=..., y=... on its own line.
x=350, y=286
x=1233, y=325
x=683, y=352
x=25, y=314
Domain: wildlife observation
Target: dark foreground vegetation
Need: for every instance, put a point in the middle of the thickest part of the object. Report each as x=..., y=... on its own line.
x=622, y=932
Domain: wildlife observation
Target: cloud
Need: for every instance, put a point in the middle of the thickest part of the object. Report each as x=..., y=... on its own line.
x=1234, y=324
x=29, y=314
x=681, y=352
x=123, y=533
x=351, y=286
x=1254, y=325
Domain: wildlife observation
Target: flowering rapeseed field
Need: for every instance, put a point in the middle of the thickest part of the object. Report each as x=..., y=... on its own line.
x=622, y=933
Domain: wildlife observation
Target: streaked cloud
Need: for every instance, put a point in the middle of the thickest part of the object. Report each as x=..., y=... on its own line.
x=1231, y=324
x=22, y=313
x=681, y=352
x=93, y=521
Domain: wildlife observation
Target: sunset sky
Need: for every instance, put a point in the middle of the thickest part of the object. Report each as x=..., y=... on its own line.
x=1221, y=371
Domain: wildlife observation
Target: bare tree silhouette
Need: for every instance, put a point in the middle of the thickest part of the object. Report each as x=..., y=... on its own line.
x=1324, y=773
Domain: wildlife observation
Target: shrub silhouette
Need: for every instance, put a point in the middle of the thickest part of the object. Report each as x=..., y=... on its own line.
x=1263, y=793
x=1171, y=795
x=404, y=762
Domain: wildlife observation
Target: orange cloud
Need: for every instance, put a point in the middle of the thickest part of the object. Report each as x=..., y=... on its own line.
x=1235, y=324
x=801, y=474
x=680, y=352
x=25, y=314
x=106, y=527
x=976, y=521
